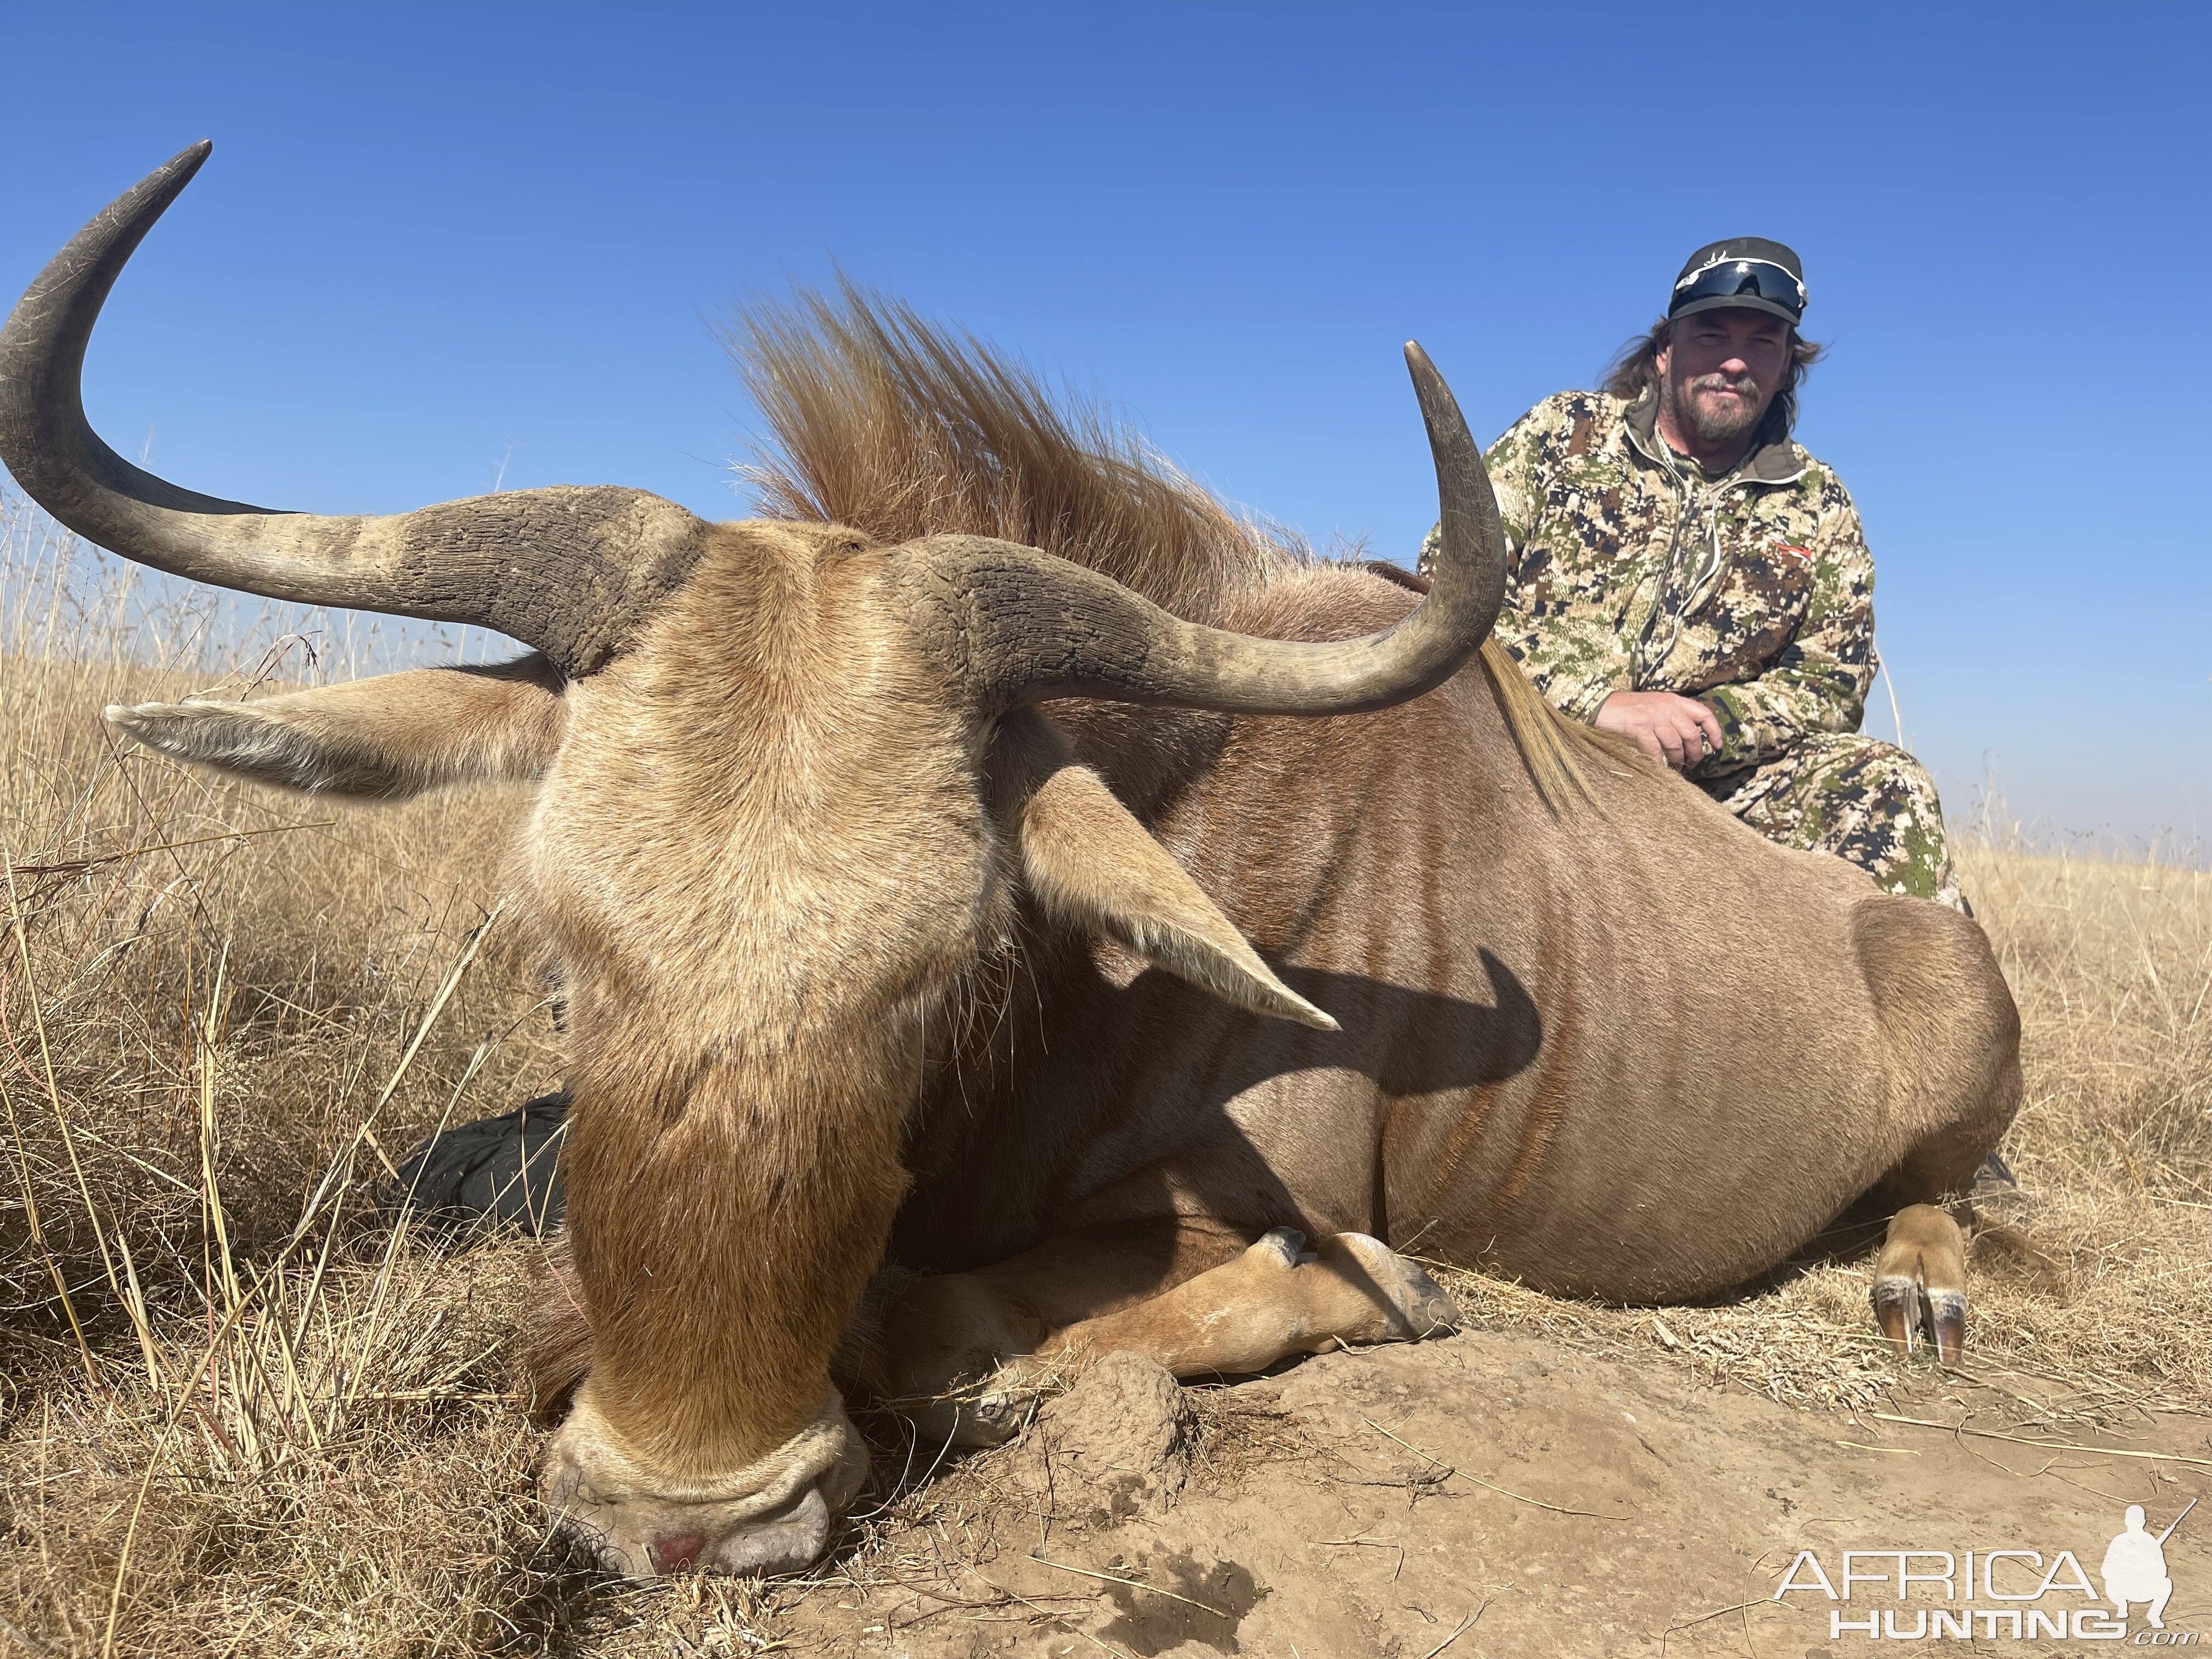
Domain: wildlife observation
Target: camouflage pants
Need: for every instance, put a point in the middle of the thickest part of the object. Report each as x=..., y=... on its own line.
x=1868, y=802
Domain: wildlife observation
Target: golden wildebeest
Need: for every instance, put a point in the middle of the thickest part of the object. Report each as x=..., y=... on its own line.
x=997, y=914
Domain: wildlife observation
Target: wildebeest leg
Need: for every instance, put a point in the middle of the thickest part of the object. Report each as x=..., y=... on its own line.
x=1275, y=1299
x=964, y=1352
x=944, y=1341
x=1953, y=1035
x=1920, y=1278
x=1920, y=1274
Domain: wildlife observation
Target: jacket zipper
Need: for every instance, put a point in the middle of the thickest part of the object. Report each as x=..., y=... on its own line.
x=1687, y=499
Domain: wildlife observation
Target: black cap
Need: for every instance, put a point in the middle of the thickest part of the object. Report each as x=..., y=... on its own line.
x=1745, y=272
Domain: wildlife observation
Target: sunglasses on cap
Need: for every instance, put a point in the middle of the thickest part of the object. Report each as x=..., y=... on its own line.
x=1732, y=277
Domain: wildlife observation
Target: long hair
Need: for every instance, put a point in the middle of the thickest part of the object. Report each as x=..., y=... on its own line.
x=1635, y=371
x=900, y=427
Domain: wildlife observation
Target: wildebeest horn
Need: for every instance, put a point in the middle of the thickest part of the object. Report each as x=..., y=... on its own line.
x=1024, y=626
x=571, y=571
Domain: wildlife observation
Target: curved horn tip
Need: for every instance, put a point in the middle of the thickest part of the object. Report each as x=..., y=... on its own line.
x=1430, y=387
x=181, y=167
x=150, y=199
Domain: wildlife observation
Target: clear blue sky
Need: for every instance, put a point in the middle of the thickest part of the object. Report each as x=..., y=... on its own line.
x=436, y=239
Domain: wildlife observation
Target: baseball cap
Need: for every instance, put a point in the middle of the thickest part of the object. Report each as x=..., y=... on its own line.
x=1748, y=271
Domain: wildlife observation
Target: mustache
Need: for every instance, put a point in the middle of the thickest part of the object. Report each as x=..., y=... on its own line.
x=1746, y=385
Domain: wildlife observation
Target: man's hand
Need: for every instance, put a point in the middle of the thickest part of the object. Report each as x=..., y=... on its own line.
x=1680, y=731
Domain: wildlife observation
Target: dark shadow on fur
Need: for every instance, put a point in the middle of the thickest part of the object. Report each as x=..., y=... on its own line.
x=1000, y=1162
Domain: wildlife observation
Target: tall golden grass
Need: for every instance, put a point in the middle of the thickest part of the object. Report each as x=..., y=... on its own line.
x=243, y=1412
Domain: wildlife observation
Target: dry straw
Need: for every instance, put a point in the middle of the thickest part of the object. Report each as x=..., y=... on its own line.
x=243, y=1413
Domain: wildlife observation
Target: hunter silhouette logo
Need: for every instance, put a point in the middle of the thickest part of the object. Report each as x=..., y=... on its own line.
x=1999, y=1593
x=2134, y=1567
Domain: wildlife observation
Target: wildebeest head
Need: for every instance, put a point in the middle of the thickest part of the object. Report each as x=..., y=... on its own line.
x=788, y=782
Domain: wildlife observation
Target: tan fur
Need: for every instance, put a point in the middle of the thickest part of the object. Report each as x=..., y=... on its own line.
x=388, y=737
x=858, y=975
x=1091, y=866
x=772, y=759
x=1555, y=748
x=1268, y=1302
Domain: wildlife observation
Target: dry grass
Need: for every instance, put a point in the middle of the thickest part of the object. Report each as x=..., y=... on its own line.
x=243, y=1413
x=238, y=1412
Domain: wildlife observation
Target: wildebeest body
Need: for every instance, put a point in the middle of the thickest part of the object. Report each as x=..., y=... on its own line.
x=871, y=833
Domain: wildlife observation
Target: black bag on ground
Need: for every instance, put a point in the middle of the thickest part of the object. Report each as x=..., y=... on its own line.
x=502, y=1171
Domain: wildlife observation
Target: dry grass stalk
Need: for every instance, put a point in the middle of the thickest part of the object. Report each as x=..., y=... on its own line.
x=240, y=1414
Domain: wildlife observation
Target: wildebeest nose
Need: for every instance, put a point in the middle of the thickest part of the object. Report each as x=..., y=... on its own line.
x=674, y=1554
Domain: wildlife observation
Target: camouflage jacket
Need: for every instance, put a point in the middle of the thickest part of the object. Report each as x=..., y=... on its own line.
x=1632, y=569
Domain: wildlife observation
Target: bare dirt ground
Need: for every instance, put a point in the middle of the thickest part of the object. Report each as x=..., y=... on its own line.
x=243, y=1412
x=1531, y=1497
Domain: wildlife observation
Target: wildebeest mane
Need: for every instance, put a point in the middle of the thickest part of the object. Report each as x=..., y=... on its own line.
x=900, y=427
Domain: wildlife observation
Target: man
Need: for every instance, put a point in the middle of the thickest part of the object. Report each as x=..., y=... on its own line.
x=1686, y=576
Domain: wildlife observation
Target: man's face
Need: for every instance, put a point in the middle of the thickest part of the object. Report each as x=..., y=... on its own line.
x=1721, y=370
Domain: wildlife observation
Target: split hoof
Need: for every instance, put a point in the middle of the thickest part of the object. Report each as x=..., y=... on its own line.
x=980, y=1414
x=1414, y=1304
x=1920, y=1284
x=1908, y=1313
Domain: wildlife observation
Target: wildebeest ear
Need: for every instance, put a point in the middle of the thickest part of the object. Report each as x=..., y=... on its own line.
x=388, y=737
x=1091, y=864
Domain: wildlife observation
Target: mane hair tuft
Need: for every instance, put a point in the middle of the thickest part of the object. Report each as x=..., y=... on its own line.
x=895, y=426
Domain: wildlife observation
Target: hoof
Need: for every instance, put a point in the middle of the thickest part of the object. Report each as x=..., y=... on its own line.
x=1281, y=1246
x=1906, y=1312
x=1417, y=1305
x=1897, y=1313
x=987, y=1412
x=1997, y=1195
x=1946, y=1318
x=1919, y=1284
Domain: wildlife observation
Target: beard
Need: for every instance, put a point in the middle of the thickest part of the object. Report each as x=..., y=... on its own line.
x=1713, y=421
